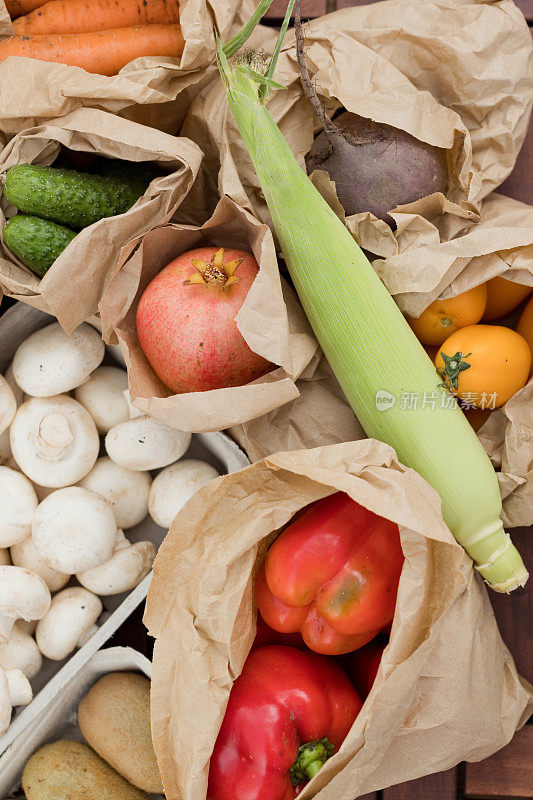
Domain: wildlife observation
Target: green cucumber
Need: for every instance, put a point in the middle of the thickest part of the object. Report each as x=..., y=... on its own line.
x=141, y=174
x=36, y=242
x=66, y=196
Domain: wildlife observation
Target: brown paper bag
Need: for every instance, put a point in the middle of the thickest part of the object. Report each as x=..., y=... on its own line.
x=447, y=688
x=500, y=244
x=153, y=91
x=75, y=282
x=270, y=320
x=430, y=68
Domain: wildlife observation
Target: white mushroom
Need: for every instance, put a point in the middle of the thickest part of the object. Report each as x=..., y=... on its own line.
x=126, y=568
x=18, y=502
x=27, y=626
x=174, y=486
x=54, y=440
x=24, y=554
x=50, y=362
x=133, y=412
x=5, y=446
x=4, y=557
x=8, y=404
x=74, y=529
x=17, y=391
x=15, y=690
x=69, y=623
x=43, y=491
x=102, y=395
x=144, y=443
x=126, y=490
x=21, y=652
x=20, y=691
x=23, y=594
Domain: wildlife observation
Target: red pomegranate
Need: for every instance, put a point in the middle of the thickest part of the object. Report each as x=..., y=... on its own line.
x=186, y=321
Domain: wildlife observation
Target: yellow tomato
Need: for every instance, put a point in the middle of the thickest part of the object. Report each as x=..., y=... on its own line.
x=525, y=324
x=444, y=317
x=503, y=296
x=484, y=365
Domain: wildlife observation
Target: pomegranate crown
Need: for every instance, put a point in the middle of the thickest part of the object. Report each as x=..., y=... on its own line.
x=214, y=271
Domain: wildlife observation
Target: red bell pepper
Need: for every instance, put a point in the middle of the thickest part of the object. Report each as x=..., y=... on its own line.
x=266, y=635
x=288, y=712
x=363, y=666
x=332, y=575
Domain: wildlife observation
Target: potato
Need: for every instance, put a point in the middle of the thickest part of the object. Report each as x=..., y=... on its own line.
x=114, y=718
x=68, y=770
x=376, y=167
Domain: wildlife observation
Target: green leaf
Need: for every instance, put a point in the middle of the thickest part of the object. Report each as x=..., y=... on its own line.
x=237, y=41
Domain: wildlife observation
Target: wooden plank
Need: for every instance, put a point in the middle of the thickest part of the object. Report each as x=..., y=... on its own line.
x=508, y=773
x=526, y=6
x=441, y=786
x=310, y=8
x=348, y=3
x=514, y=612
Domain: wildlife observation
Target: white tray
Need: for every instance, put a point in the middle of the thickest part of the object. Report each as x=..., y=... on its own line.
x=58, y=706
x=216, y=448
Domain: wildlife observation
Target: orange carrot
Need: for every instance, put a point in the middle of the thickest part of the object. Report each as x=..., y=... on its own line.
x=15, y=8
x=84, y=16
x=102, y=52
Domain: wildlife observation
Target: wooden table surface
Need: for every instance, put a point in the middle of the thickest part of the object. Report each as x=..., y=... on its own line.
x=508, y=775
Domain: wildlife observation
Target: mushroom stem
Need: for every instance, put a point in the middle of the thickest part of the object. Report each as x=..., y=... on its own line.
x=6, y=626
x=20, y=691
x=54, y=434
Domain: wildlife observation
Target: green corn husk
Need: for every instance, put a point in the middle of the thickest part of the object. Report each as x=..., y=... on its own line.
x=367, y=341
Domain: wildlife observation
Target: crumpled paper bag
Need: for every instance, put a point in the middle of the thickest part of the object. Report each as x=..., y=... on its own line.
x=154, y=91
x=270, y=320
x=447, y=688
x=500, y=244
x=432, y=69
x=74, y=284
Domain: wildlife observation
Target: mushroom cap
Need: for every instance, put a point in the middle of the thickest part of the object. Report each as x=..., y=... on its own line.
x=23, y=593
x=51, y=362
x=54, y=440
x=18, y=502
x=17, y=391
x=72, y=614
x=144, y=443
x=126, y=568
x=74, y=529
x=102, y=395
x=25, y=554
x=125, y=489
x=175, y=485
x=8, y=404
x=21, y=652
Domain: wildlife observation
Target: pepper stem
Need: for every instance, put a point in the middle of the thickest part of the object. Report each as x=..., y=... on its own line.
x=310, y=758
